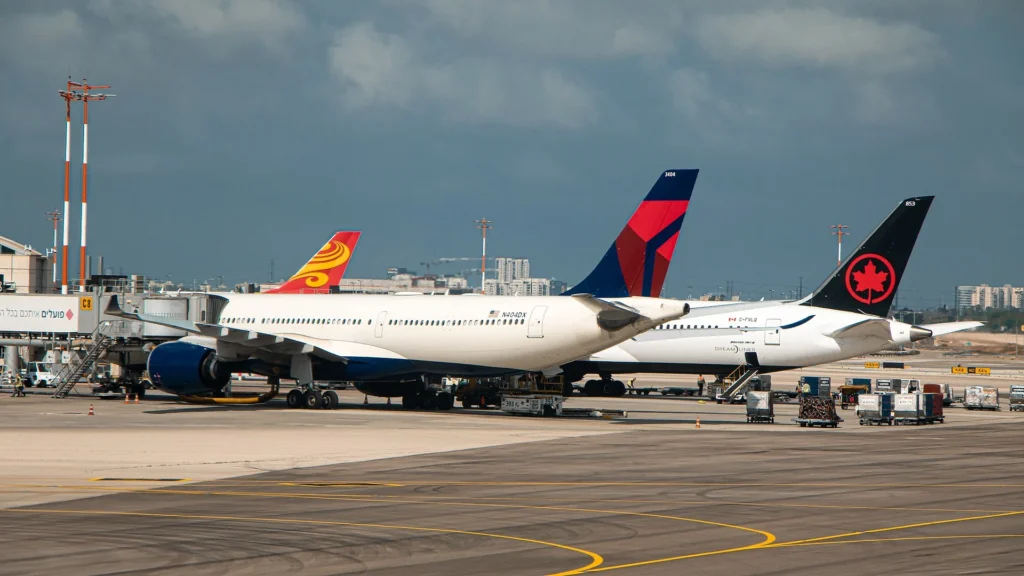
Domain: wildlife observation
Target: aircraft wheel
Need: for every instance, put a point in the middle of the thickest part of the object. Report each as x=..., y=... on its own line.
x=567, y=389
x=592, y=388
x=607, y=388
x=331, y=400
x=312, y=399
x=619, y=388
x=428, y=401
x=445, y=401
x=409, y=401
x=294, y=398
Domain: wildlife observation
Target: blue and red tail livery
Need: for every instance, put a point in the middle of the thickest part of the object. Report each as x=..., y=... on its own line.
x=637, y=262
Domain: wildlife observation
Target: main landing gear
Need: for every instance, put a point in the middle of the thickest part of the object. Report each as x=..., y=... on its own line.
x=606, y=386
x=312, y=399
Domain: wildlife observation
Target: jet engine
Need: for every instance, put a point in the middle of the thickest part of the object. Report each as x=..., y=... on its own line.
x=187, y=369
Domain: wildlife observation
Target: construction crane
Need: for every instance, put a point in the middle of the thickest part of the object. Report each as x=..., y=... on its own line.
x=427, y=265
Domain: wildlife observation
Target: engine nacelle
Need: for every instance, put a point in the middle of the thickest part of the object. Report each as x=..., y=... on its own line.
x=187, y=369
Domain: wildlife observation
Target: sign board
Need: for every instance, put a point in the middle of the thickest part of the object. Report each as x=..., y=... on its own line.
x=85, y=303
x=26, y=313
x=979, y=370
x=872, y=365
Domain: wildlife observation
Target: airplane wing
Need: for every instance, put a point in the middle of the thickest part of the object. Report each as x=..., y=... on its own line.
x=870, y=328
x=251, y=339
x=950, y=327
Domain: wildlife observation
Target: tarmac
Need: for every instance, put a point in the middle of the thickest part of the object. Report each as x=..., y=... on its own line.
x=167, y=488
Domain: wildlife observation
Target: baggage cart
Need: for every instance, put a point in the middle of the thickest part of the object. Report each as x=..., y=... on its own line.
x=919, y=408
x=876, y=408
x=859, y=382
x=848, y=394
x=532, y=405
x=760, y=406
x=981, y=398
x=1017, y=397
x=817, y=411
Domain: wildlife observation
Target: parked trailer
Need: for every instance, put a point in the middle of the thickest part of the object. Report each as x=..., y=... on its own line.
x=532, y=405
x=876, y=408
x=981, y=398
x=919, y=408
x=1017, y=397
x=760, y=406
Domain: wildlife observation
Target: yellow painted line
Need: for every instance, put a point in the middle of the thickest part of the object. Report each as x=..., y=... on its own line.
x=904, y=539
x=340, y=484
x=895, y=528
x=595, y=559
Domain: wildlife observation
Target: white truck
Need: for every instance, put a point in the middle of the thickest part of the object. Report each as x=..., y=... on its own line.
x=40, y=375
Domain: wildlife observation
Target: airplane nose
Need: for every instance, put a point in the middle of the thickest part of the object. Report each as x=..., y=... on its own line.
x=917, y=333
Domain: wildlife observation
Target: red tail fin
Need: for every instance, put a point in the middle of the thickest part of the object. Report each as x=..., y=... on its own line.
x=324, y=269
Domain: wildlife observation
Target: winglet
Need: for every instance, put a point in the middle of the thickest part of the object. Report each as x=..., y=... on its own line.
x=638, y=260
x=324, y=269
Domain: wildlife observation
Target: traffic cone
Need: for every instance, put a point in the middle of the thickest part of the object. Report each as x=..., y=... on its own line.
x=698, y=422
x=91, y=413
x=126, y=398
x=136, y=397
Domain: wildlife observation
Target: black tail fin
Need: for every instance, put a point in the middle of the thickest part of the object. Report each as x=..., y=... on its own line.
x=867, y=281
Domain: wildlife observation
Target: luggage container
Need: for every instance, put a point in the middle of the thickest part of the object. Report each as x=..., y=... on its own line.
x=932, y=388
x=1017, y=397
x=919, y=408
x=848, y=394
x=981, y=398
x=816, y=386
x=907, y=408
x=875, y=409
x=817, y=411
x=760, y=406
x=883, y=385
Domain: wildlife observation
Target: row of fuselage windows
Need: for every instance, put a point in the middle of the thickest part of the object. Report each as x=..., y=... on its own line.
x=486, y=322
x=359, y=321
x=685, y=326
x=336, y=321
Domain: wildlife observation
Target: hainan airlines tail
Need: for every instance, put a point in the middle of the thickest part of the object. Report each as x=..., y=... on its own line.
x=637, y=262
x=867, y=281
x=324, y=269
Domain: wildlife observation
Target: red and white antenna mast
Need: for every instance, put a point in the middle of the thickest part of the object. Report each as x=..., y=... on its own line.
x=55, y=217
x=85, y=97
x=484, y=225
x=68, y=95
x=840, y=232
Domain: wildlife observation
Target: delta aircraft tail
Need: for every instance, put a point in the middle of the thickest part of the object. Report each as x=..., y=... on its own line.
x=867, y=281
x=324, y=269
x=638, y=260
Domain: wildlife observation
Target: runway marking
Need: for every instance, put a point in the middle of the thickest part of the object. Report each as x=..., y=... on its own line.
x=903, y=539
x=895, y=528
x=340, y=484
x=595, y=559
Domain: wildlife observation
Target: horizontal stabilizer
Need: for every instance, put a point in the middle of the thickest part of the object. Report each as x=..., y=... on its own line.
x=870, y=328
x=950, y=327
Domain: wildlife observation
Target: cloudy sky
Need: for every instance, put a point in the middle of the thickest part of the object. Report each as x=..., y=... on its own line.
x=246, y=131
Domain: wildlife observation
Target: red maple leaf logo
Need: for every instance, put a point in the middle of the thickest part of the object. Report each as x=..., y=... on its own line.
x=870, y=278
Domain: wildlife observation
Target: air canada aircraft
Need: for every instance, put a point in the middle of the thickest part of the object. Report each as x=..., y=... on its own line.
x=844, y=318
x=388, y=343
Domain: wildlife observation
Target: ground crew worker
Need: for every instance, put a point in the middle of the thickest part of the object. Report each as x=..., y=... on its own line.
x=631, y=380
x=19, y=386
x=700, y=385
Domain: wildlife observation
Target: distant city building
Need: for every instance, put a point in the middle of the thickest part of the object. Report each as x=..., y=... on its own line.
x=985, y=296
x=427, y=284
x=509, y=269
x=558, y=286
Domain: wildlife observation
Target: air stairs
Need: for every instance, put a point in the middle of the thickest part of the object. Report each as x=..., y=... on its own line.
x=740, y=384
x=73, y=371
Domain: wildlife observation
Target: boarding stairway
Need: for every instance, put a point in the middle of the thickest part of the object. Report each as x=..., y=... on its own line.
x=739, y=384
x=73, y=371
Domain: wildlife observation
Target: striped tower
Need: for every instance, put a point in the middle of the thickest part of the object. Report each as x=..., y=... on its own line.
x=68, y=96
x=85, y=180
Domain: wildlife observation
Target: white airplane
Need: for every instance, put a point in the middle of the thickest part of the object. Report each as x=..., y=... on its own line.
x=844, y=318
x=388, y=343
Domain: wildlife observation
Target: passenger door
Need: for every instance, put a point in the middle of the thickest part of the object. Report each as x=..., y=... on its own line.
x=772, y=333
x=378, y=330
x=535, y=325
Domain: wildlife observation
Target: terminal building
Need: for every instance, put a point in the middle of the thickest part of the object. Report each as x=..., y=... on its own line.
x=24, y=270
